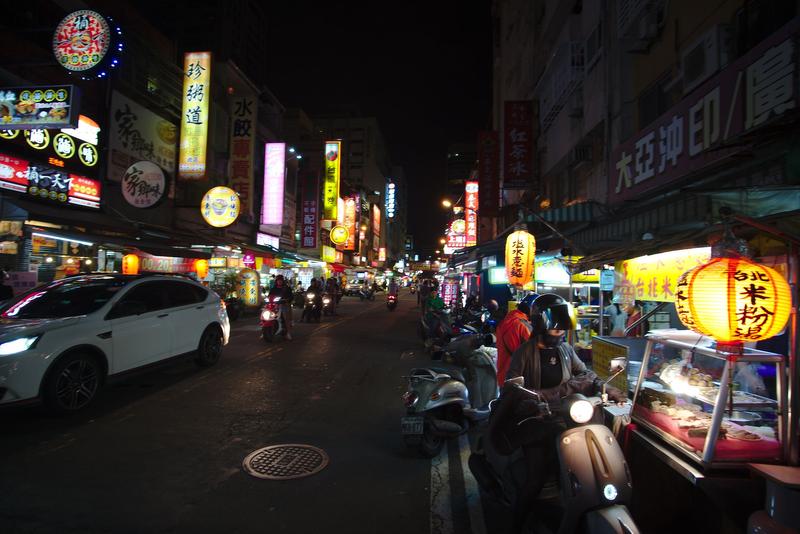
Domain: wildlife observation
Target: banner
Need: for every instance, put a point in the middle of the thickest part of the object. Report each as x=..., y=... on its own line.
x=351, y=221
x=518, y=145
x=194, y=127
x=242, y=140
x=310, y=222
x=274, y=174
x=138, y=134
x=488, y=175
x=330, y=193
x=471, y=209
x=654, y=277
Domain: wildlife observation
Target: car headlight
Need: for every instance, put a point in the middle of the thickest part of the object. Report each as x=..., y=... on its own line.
x=581, y=411
x=15, y=346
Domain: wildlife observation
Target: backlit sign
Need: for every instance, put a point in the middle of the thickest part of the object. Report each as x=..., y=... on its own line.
x=220, y=206
x=330, y=188
x=194, y=122
x=390, y=200
x=48, y=183
x=274, y=172
x=81, y=40
x=47, y=106
x=471, y=212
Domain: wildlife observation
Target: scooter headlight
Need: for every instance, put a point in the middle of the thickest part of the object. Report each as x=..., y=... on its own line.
x=267, y=315
x=310, y=296
x=326, y=301
x=581, y=411
x=610, y=492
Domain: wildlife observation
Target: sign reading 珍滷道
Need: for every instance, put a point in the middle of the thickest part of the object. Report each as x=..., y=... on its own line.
x=696, y=132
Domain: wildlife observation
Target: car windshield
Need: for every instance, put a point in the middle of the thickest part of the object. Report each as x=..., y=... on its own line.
x=63, y=298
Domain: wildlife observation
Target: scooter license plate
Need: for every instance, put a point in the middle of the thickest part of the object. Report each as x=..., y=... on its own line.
x=411, y=425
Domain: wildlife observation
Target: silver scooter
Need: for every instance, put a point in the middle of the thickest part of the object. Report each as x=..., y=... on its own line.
x=443, y=400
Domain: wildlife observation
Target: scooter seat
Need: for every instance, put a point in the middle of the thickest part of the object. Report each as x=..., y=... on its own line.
x=453, y=371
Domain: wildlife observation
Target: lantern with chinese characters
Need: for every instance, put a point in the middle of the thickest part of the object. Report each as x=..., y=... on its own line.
x=201, y=268
x=130, y=264
x=520, y=255
x=733, y=300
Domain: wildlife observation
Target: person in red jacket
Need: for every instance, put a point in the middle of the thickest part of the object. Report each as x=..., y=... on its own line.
x=513, y=331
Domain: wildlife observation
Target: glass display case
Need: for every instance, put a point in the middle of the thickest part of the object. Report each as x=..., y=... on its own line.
x=718, y=408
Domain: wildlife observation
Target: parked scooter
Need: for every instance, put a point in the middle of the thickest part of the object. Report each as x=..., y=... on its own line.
x=271, y=320
x=442, y=401
x=313, y=307
x=437, y=329
x=391, y=302
x=234, y=307
x=594, y=483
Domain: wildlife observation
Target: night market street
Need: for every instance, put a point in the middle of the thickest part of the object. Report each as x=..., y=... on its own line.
x=162, y=451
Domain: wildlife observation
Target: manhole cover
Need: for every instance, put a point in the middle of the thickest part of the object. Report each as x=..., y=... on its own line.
x=282, y=462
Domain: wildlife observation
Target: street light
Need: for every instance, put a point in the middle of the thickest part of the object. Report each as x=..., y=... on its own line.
x=446, y=203
x=442, y=241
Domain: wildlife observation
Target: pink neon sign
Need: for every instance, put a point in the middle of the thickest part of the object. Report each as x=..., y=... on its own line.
x=272, y=201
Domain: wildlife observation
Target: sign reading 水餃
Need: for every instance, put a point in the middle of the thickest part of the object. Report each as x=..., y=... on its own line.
x=242, y=141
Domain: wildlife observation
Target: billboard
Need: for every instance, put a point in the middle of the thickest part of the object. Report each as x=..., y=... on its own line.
x=310, y=221
x=242, y=141
x=471, y=212
x=330, y=190
x=194, y=115
x=376, y=220
x=351, y=221
x=46, y=106
x=517, y=145
x=391, y=203
x=274, y=173
x=48, y=183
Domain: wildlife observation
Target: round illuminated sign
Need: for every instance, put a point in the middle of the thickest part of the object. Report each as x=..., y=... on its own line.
x=38, y=138
x=220, y=206
x=81, y=40
x=143, y=184
x=458, y=227
x=64, y=145
x=339, y=235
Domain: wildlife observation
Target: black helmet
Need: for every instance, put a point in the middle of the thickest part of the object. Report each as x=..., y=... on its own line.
x=551, y=312
x=525, y=304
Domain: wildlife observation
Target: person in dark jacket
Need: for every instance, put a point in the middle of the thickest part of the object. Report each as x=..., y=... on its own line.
x=281, y=289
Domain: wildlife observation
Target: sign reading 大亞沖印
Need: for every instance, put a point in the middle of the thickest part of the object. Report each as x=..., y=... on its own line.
x=747, y=94
x=138, y=134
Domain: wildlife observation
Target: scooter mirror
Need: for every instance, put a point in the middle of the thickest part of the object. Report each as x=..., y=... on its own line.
x=517, y=381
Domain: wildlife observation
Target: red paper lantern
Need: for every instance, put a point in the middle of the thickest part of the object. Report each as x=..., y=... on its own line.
x=201, y=268
x=130, y=264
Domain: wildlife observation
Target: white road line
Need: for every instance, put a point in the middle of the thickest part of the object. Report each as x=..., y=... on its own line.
x=471, y=489
x=441, y=511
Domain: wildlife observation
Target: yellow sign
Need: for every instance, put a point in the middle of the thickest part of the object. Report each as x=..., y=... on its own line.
x=220, y=206
x=592, y=276
x=328, y=254
x=339, y=235
x=655, y=278
x=603, y=351
x=247, y=287
x=330, y=189
x=194, y=115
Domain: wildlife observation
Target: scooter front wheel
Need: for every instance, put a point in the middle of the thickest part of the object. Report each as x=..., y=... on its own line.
x=430, y=445
x=268, y=334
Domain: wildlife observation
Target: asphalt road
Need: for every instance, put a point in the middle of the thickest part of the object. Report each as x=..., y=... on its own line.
x=162, y=451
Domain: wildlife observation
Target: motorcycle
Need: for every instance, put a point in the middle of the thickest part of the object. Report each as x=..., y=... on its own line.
x=298, y=301
x=235, y=307
x=593, y=483
x=366, y=294
x=391, y=302
x=327, y=304
x=443, y=401
x=312, y=310
x=413, y=289
x=436, y=329
x=271, y=320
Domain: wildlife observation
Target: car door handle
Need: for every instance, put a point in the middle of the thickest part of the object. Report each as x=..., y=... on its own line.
x=104, y=335
x=200, y=307
x=162, y=315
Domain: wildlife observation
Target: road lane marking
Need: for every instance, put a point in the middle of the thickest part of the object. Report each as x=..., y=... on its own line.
x=471, y=489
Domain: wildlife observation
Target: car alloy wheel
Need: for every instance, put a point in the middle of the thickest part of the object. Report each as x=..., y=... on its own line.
x=77, y=383
x=210, y=348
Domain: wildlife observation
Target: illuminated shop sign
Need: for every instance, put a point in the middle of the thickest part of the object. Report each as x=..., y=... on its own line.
x=194, y=115
x=351, y=221
x=268, y=240
x=330, y=189
x=143, y=184
x=242, y=141
x=390, y=200
x=471, y=212
x=48, y=183
x=274, y=173
x=68, y=147
x=49, y=106
x=81, y=40
x=220, y=206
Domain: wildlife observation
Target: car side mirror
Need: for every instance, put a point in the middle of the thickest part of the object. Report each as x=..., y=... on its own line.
x=128, y=308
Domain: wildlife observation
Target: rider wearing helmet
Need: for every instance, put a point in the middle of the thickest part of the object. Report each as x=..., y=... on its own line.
x=549, y=365
x=513, y=331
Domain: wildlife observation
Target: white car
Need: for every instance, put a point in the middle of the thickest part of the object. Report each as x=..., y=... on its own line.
x=59, y=342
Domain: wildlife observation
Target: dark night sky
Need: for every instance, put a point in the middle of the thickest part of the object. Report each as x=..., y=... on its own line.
x=423, y=69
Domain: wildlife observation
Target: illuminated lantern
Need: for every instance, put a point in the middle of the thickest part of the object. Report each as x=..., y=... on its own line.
x=201, y=268
x=130, y=264
x=520, y=255
x=733, y=300
x=247, y=287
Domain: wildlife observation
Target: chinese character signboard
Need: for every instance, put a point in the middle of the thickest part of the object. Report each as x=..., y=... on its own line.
x=654, y=277
x=488, y=167
x=220, y=206
x=751, y=91
x=390, y=200
x=143, y=184
x=471, y=212
x=328, y=254
x=274, y=173
x=351, y=221
x=194, y=115
x=376, y=220
x=61, y=148
x=138, y=134
x=48, y=183
x=330, y=190
x=382, y=254
x=50, y=106
x=242, y=141
x=518, y=145
x=449, y=292
x=268, y=240
x=81, y=40
x=309, y=224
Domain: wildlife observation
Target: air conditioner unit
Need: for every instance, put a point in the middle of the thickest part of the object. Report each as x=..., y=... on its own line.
x=705, y=56
x=579, y=156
